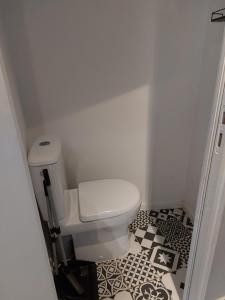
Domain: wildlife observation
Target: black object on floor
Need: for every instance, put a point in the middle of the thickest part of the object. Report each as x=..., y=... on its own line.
x=86, y=274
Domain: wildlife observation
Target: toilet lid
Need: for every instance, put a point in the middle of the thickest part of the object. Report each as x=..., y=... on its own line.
x=106, y=198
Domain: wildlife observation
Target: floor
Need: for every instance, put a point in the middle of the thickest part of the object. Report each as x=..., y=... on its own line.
x=156, y=264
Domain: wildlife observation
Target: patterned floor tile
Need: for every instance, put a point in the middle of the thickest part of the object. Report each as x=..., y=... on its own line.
x=175, y=283
x=125, y=295
x=110, y=278
x=137, y=269
x=135, y=247
x=142, y=220
x=155, y=267
x=182, y=246
x=187, y=222
x=149, y=237
x=164, y=259
x=152, y=290
x=172, y=229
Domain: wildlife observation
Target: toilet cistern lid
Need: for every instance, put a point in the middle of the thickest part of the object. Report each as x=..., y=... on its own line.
x=45, y=150
x=106, y=198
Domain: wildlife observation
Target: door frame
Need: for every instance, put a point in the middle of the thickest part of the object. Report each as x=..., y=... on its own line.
x=204, y=236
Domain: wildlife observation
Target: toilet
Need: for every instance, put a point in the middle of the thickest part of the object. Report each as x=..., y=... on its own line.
x=96, y=214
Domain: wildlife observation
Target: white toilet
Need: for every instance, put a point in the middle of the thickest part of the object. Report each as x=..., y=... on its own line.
x=96, y=214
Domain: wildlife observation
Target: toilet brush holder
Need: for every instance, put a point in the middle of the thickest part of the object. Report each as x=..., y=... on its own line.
x=86, y=274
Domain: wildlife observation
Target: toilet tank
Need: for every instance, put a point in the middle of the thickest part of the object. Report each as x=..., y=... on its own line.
x=46, y=153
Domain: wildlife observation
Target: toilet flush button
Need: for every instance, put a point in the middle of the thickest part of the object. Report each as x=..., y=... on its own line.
x=44, y=143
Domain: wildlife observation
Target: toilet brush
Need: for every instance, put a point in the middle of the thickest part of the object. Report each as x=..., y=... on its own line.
x=56, y=236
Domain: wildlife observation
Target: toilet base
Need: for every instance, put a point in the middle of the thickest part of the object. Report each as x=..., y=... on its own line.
x=101, y=245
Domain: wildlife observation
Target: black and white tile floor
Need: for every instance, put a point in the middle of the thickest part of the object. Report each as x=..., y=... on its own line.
x=155, y=267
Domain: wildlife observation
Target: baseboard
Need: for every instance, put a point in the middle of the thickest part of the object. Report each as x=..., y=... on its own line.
x=167, y=205
x=161, y=205
x=189, y=211
x=145, y=206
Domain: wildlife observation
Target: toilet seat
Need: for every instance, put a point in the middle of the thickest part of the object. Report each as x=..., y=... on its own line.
x=72, y=223
x=107, y=198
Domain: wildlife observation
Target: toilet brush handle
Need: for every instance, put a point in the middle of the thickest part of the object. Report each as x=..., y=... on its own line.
x=46, y=178
x=51, y=228
x=57, y=228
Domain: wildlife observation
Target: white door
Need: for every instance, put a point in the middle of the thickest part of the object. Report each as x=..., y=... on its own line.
x=210, y=200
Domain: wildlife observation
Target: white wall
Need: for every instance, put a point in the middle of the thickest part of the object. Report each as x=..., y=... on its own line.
x=85, y=72
x=24, y=269
x=12, y=84
x=216, y=288
x=107, y=141
x=210, y=57
x=180, y=43
x=118, y=81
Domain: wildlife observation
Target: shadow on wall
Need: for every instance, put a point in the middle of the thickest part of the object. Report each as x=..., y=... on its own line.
x=69, y=56
x=108, y=141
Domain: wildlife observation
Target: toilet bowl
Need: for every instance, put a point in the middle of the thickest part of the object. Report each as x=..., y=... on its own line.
x=96, y=214
x=99, y=225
